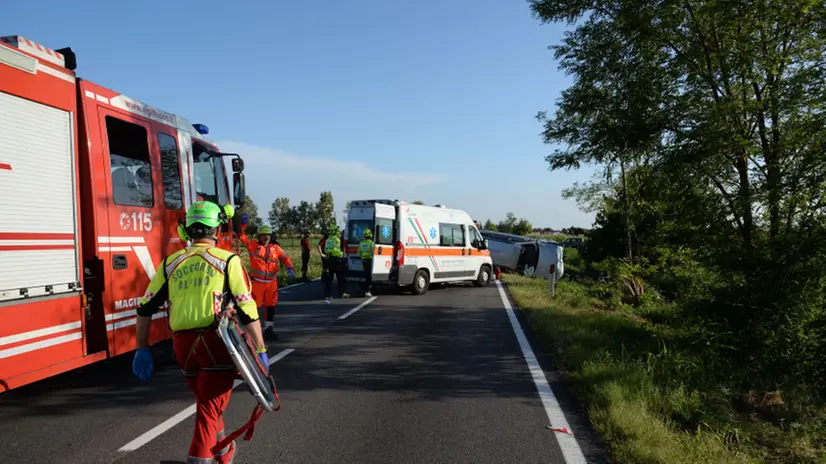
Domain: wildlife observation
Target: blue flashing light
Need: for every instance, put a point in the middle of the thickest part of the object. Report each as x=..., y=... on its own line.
x=202, y=129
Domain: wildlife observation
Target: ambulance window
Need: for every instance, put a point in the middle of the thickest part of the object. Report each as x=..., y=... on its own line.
x=356, y=228
x=383, y=235
x=172, y=196
x=451, y=235
x=129, y=163
x=476, y=239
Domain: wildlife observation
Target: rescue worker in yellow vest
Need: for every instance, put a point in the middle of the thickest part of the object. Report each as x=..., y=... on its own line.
x=332, y=257
x=366, y=253
x=196, y=281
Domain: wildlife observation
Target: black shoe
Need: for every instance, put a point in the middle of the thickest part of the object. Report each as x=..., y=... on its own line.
x=270, y=334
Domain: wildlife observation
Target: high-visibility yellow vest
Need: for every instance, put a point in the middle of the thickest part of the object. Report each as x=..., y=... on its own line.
x=366, y=249
x=332, y=247
x=195, y=281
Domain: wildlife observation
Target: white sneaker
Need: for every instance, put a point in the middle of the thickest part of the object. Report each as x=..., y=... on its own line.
x=368, y=294
x=345, y=295
x=326, y=301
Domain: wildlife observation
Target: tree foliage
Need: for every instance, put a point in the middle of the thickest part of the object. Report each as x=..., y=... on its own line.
x=707, y=120
x=253, y=220
x=325, y=212
x=346, y=212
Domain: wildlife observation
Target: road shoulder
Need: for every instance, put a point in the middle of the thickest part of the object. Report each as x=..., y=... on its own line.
x=589, y=441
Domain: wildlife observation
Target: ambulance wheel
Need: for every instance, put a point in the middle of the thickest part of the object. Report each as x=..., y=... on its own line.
x=421, y=281
x=484, y=276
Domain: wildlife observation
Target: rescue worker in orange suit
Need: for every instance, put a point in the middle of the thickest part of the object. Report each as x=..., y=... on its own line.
x=305, y=255
x=331, y=248
x=193, y=280
x=264, y=259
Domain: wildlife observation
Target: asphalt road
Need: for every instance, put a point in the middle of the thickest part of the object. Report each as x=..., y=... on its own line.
x=404, y=379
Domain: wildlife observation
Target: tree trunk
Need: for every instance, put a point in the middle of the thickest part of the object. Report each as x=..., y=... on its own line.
x=626, y=213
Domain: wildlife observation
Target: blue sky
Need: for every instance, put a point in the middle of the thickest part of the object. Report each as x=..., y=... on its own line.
x=431, y=100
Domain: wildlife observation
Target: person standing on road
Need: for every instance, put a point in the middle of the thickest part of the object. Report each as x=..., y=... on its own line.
x=305, y=255
x=331, y=248
x=264, y=259
x=366, y=255
x=192, y=280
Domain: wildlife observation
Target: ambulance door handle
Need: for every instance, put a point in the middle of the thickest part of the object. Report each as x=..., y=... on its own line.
x=119, y=262
x=379, y=252
x=463, y=251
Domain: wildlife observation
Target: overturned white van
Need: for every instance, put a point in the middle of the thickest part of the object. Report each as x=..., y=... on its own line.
x=525, y=255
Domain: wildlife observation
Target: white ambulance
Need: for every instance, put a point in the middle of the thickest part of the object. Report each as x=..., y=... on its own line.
x=416, y=245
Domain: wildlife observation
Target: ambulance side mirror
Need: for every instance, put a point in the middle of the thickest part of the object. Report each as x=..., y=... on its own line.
x=484, y=244
x=239, y=188
x=237, y=165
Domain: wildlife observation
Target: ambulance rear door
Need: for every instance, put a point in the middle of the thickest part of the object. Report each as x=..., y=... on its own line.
x=359, y=219
x=384, y=236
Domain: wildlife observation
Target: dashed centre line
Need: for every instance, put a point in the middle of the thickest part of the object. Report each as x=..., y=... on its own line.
x=356, y=309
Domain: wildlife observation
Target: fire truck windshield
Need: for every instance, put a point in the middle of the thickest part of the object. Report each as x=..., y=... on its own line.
x=210, y=175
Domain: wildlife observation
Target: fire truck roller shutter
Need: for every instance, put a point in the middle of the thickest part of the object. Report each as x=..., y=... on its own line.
x=36, y=142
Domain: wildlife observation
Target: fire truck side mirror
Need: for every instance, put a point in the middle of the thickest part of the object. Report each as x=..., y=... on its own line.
x=237, y=165
x=239, y=188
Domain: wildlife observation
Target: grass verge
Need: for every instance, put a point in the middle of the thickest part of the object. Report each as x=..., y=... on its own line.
x=644, y=393
x=291, y=246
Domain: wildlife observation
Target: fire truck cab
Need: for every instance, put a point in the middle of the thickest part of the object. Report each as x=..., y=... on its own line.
x=95, y=184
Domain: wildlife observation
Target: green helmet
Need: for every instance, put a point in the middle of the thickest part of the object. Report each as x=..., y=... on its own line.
x=264, y=230
x=367, y=233
x=206, y=213
x=334, y=229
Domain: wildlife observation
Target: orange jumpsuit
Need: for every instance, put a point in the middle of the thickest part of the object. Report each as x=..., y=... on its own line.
x=263, y=271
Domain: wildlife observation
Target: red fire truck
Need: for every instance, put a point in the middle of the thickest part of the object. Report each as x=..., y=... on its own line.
x=94, y=185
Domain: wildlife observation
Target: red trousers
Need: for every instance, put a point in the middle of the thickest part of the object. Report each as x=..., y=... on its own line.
x=266, y=296
x=210, y=374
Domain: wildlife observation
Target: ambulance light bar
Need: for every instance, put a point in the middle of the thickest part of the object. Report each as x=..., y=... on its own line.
x=202, y=129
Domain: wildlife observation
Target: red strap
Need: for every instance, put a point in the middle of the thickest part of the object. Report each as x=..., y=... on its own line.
x=249, y=427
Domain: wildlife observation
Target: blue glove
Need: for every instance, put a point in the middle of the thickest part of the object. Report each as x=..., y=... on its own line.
x=291, y=273
x=343, y=260
x=142, y=365
x=244, y=218
x=265, y=360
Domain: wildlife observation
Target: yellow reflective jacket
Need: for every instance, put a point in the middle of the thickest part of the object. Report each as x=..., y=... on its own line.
x=366, y=249
x=192, y=280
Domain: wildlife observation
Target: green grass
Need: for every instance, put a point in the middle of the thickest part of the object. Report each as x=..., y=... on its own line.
x=652, y=397
x=292, y=246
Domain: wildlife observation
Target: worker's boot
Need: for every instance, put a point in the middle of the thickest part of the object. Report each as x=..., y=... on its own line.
x=269, y=327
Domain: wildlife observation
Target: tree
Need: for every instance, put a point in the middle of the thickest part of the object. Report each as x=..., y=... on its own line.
x=706, y=119
x=253, y=220
x=279, y=214
x=418, y=202
x=738, y=113
x=508, y=224
x=489, y=225
x=303, y=217
x=522, y=227
x=325, y=211
x=346, y=212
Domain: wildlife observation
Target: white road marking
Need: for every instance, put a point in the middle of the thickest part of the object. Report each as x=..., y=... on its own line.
x=297, y=284
x=354, y=310
x=567, y=442
x=181, y=416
